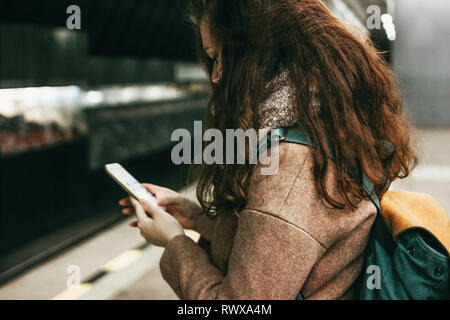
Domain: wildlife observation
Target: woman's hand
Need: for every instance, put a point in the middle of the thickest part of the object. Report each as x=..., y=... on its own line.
x=156, y=225
x=183, y=209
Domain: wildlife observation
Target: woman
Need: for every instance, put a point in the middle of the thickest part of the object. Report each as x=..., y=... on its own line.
x=283, y=63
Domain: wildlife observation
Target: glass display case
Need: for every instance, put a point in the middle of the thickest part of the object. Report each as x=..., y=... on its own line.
x=33, y=118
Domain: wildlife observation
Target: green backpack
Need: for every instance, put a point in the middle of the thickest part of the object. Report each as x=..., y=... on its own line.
x=407, y=255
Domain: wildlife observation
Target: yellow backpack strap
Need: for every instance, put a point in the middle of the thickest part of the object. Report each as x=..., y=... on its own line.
x=403, y=210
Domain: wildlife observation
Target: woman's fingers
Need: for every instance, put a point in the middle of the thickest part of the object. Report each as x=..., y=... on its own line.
x=164, y=196
x=134, y=224
x=141, y=213
x=125, y=202
x=151, y=208
x=154, y=189
x=168, y=200
x=128, y=211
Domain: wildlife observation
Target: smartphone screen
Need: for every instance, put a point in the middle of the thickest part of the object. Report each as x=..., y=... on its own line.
x=128, y=182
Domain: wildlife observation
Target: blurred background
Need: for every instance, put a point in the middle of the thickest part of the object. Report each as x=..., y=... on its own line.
x=113, y=91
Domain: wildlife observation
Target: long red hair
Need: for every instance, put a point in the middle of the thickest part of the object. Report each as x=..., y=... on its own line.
x=361, y=107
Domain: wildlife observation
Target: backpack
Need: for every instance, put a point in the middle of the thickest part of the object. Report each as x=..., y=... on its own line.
x=407, y=255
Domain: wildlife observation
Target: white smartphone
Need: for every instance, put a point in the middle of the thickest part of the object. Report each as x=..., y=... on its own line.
x=128, y=182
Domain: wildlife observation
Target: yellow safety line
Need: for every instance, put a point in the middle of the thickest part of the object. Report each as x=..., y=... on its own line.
x=116, y=264
x=74, y=293
x=122, y=260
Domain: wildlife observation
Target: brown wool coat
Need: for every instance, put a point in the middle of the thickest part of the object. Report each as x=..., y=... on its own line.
x=285, y=240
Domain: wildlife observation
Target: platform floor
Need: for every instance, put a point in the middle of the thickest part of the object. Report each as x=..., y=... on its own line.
x=133, y=268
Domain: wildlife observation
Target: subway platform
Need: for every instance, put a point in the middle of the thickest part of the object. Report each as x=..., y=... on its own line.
x=116, y=264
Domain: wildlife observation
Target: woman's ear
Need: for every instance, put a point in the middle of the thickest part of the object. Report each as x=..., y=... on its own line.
x=217, y=72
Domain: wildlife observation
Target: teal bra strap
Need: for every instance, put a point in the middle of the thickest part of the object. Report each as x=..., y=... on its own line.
x=301, y=137
x=300, y=296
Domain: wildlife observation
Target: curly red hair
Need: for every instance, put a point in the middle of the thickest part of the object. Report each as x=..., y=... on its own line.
x=361, y=107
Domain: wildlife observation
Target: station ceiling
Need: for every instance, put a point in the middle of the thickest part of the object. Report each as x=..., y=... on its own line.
x=359, y=7
x=133, y=28
x=136, y=28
